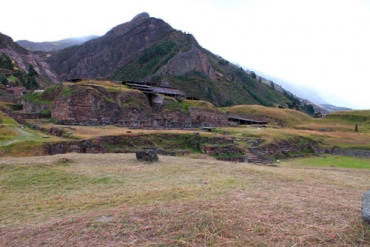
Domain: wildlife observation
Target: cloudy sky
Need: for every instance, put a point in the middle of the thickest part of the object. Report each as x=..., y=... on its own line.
x=321, y=44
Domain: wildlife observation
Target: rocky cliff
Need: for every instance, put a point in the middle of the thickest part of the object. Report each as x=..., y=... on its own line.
x=184, y=62
x=23, y=58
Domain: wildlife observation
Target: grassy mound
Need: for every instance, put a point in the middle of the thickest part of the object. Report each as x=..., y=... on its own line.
x=350, y=117
x=287, y=116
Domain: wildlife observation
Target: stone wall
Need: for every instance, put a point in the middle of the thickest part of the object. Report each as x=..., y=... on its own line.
x=20, y=116
x=207, y=117
x=76, y=104
x=196, y=118
x=221, y=150
x=289, y=148
x=85, y=146
x=89, y=105
x=34, y=107
x=351, y=152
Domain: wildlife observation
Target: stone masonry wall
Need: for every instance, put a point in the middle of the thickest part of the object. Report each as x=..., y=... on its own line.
x=208, y=118
x=351, y=152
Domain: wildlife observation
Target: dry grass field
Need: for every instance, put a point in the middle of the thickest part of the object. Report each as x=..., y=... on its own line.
x=115, y=200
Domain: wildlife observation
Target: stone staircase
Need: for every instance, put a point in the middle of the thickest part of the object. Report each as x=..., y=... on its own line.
x=254, y=157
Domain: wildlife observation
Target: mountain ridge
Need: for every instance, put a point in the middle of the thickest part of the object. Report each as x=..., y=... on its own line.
x=49, y=46
x=22, y=60
x=149, y=49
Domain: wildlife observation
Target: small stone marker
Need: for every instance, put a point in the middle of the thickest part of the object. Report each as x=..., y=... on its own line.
x=366, y=207
x=147, y=154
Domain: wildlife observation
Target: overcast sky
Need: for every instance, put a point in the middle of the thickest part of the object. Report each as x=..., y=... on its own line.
x=322, y=44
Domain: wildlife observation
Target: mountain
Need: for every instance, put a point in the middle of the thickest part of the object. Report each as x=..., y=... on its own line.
x=54, y=45
x=148, y=49
x=22, y=67
x=298, y=90
x=332, y=108
x=306, y=95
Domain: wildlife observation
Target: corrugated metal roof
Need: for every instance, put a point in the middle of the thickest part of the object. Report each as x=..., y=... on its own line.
x=159, y=90
x=247, y=120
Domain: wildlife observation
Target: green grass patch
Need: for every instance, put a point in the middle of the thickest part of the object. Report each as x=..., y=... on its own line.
x=5, y=120
x=353, y=117
x=331, y=161
x=7, y=126
x=6, y=134
x=37, y=97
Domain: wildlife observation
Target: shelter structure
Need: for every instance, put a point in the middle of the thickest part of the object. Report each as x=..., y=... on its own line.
x=245, y=121
x=152, y=90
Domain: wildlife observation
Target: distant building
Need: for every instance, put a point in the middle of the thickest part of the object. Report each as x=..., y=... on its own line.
x=17, y=91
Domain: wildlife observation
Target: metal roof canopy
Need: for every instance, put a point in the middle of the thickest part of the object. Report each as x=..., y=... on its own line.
x=246, y=121
x=160, y=90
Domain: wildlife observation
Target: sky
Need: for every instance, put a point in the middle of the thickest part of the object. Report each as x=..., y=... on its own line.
x=323, y=45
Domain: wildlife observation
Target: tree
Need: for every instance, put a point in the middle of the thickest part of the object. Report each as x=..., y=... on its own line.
x=32, y=71
x=31, y=82
x=310, y=110
x=4, y=80
x=272, y=84
x=227, y=103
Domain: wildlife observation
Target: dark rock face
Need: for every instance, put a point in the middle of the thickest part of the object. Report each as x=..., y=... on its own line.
x=366, y=207
x=192, y=60
x=147, y=154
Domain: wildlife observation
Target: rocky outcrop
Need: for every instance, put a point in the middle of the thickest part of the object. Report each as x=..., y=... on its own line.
x=183, y=62
x=24, y=59
x=125, y=27
x=147, y=154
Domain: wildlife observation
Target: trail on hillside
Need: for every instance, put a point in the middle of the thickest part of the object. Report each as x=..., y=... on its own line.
x=23, y=135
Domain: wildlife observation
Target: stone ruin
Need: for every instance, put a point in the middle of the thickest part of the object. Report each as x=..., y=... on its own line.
x=147, y=154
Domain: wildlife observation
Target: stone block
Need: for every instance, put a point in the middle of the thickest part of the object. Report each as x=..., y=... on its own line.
x=147, y=154
x=366, y=207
